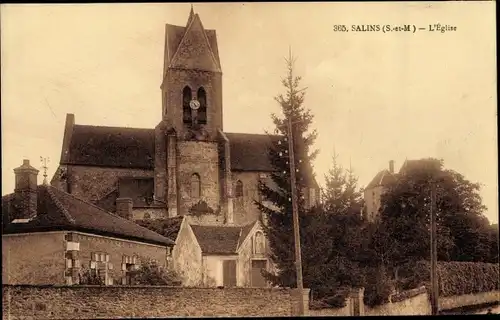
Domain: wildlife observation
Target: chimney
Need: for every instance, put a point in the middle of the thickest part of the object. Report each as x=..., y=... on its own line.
x=124, y=207
x=391, y=166
x=25, y=192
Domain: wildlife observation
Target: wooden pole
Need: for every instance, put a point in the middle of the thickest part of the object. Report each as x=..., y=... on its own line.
x=434, y=275
x=295, y=213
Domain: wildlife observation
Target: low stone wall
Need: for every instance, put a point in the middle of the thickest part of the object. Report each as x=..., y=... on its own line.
x=411, y=302
x=332, y=312
x=90, y=302
x=447, y=303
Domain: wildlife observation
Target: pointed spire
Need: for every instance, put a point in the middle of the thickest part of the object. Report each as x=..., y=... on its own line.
x=191, y=15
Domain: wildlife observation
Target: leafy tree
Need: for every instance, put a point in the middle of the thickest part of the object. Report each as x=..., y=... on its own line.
x=279, y=220
x=403, y=234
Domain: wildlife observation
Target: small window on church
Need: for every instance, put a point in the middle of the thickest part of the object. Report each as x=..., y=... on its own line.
x=202, y=112
x=186, y=98
x=195, y=186
x=238, y=192
x=259, y=243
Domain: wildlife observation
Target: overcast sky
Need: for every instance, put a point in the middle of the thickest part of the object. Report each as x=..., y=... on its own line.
x=375, y=96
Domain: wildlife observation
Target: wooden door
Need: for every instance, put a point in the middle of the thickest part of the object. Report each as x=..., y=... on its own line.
x=229, y=273
x=258, y=279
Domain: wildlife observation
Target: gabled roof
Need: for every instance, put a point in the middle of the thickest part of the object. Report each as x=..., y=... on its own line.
x=383, y=178
x=58, y=210
x=112, y=147
x=221, y=239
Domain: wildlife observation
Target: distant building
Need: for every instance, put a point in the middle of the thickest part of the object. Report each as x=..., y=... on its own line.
x=374, y=190
x=51, y=237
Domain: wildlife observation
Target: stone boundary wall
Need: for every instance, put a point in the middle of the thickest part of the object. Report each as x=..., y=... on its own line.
x=90, y=302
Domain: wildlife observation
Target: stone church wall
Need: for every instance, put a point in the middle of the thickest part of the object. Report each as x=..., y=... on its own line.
x=245, y=211
x=201, y=158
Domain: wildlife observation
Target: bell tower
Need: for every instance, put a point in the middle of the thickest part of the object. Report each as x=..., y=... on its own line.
x=192, y=81
x=186, y=139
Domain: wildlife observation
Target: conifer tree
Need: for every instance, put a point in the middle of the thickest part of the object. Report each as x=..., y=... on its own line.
x=276, y=204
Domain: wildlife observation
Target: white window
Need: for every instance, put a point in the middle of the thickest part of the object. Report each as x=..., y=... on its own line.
x=259, y=247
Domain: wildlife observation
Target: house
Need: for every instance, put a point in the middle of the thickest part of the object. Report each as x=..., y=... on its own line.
x=211, y=255
x=374, y=190
x=187, y=164
x=52, y=237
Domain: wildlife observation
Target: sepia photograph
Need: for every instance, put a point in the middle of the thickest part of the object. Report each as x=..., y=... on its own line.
x=249, y=159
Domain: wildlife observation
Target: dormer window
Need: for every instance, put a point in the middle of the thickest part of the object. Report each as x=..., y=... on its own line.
x=186, y=109
x=202, y=111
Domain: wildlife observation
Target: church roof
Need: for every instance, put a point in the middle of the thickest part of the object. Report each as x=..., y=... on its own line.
x=58, y=210
x=249, y=152
x=112, y=147
x=221, y=239
x=134, y=148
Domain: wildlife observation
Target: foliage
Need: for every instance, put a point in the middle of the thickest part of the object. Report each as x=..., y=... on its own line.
x=378, y=287
x=151, y=273
x=88, y=277
x=279, y=220
x=403, y=232
x=455, y=278
x=341, y=194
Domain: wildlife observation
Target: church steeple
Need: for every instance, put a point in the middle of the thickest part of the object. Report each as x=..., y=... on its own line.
x=191, y=15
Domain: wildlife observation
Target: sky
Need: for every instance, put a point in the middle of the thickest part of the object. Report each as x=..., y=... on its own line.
x=375, y=96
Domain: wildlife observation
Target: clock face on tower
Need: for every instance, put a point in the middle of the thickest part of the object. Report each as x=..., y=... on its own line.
x=194, y=104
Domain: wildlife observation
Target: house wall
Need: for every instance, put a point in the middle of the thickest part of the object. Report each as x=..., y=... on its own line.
x=187, y=257
x=201, y=158
x=112, y=302
x=246, y=255
x=116, y=249
x=33, y=258
x=372, y=201
x=93, y=183
x=213, y=270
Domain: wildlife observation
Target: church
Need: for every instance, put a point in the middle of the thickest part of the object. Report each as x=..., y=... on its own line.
x=187, y=166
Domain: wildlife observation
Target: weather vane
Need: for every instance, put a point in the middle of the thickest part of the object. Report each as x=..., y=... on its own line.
x=44, y=162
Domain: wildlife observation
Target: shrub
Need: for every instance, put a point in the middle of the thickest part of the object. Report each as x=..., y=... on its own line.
x=455, y=278
x=87, y=277
x=151, y=273
x=378, y=288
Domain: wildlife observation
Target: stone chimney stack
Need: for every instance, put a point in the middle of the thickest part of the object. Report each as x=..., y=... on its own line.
x=391, y=166
x=124, y=207
x=25, y=192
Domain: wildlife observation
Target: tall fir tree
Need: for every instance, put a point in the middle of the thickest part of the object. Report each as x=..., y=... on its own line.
x=276, y=204
x=341, y=194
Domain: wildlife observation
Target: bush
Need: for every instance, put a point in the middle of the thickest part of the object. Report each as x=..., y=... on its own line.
x=455, y=278
x=378, y=288
x=87, y=277
x=150, y=273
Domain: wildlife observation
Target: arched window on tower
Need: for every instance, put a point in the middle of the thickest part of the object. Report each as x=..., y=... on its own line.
x=202, y=112
x=195, y=186
x=186, y=109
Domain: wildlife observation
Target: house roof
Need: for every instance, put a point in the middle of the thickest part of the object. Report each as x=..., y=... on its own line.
x=383, y=178
x=221, y=239
x=62, y=211
x=169, y=227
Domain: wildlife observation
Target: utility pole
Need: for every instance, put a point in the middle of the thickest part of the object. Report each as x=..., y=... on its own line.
x=434, y=275
x=298, y=256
